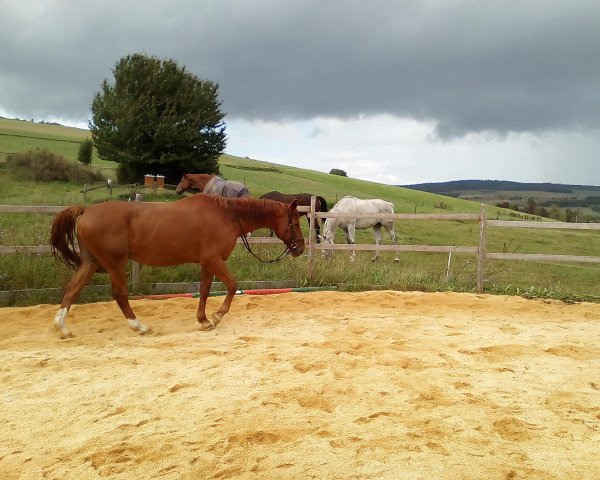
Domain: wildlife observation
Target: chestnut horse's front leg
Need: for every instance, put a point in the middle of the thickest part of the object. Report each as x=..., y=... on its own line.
x=219, y=270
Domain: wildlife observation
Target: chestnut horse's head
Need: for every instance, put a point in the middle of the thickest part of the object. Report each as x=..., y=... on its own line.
x=288, y=230
x=183, y=185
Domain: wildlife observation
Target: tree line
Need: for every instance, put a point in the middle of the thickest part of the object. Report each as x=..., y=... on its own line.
x=572, y=215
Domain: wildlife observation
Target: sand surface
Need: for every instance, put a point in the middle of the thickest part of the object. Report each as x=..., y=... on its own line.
x=325, y=385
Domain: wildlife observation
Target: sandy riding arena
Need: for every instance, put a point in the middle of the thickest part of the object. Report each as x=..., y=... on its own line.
x=323, y=385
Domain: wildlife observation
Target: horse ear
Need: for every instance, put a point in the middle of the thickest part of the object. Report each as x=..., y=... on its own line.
x=294, y=204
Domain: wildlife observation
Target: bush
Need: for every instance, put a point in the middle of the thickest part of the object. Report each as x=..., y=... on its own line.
x=337, y=171
x=85, y=151
x=45, y=166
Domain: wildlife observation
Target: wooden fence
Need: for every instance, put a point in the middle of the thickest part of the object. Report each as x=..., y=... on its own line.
x=313, y=247
x=135, y=188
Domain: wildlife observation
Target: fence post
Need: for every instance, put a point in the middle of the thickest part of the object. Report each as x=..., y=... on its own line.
x=85, y=189
x=311, y=236
x=135, y=266
x=481, y=248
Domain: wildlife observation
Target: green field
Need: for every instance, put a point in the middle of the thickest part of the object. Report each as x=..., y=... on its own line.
x=415, y=270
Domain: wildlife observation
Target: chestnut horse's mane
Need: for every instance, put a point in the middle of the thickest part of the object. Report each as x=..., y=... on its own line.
x=250, y=208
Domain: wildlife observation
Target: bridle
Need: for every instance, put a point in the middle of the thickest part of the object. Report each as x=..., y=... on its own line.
x=289, y=247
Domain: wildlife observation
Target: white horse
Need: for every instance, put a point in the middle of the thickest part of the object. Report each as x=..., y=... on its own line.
x=350, y=204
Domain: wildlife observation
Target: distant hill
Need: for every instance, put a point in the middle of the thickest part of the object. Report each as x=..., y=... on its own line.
x=450, y=188
x=557, y=200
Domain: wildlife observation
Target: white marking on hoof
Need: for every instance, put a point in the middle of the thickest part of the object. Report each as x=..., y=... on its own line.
x=60, y=323
x=146, y=330
x=59, y=319
x=138, y=326
x=133, y=323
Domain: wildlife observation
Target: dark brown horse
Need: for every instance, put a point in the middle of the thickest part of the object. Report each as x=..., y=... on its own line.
x=197, y=229
x=303, y=200
x=212, y=185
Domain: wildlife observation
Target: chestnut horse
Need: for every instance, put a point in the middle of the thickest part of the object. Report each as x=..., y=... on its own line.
x=198, y=229
x=303, y=201
x=211, y=185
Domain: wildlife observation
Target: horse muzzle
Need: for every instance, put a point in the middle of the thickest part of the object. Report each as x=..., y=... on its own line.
x=295, y=249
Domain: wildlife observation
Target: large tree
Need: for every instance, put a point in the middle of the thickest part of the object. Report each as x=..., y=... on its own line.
x=157, y=118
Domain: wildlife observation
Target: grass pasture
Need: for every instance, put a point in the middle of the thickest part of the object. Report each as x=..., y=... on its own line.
x=415, y=271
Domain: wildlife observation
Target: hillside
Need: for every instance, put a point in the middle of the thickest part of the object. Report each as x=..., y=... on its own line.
x=260, y=177
x=22, y=135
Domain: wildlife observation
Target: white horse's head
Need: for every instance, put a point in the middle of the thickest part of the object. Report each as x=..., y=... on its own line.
x=327, y=232
x=327, y=235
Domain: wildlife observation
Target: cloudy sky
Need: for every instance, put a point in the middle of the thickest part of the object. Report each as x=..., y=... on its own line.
x=393, y=91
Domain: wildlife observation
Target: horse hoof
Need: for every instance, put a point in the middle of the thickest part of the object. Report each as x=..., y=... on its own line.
x=205, y=326
x=148, y=331
x=216, y=317
x=65, y=335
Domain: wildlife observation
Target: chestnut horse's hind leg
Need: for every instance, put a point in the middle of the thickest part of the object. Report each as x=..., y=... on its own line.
x=118, y=280
x=219, y=270
x=72, y=290
x=206, y=278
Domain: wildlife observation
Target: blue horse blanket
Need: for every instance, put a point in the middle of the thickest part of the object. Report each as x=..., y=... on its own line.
x=225, y=188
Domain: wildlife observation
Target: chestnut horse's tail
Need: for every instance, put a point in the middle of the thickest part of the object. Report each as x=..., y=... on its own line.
x=62, y=236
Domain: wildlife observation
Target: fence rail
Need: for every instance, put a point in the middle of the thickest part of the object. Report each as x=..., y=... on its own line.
x=314, y=247
x=554, y=225
x=30, y=209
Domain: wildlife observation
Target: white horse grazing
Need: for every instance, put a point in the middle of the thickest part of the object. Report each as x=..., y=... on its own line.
x=350, y=204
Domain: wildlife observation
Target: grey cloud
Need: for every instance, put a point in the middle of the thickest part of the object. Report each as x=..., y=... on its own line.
x=494, y=66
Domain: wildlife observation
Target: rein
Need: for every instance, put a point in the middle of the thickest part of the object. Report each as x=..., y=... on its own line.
x=281, y=256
